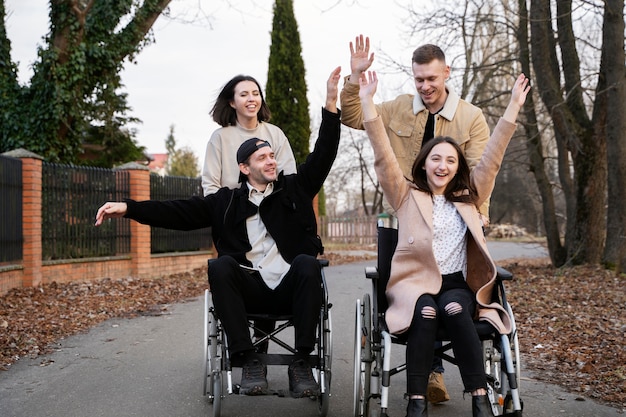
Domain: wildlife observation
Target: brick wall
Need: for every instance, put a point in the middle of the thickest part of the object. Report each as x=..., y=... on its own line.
x=140, y=263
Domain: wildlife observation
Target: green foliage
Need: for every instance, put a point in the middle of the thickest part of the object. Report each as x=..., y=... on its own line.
x=184, y=163
x=74, y=97
x=9, y=87
x=286, y=86
x=321, y=202
x=107, y=142
x=170, y=142
x=181, y=162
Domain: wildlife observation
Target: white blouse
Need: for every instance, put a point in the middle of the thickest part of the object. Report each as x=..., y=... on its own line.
x=449, y=237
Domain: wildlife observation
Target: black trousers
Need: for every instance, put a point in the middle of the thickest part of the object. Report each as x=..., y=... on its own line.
x=237, y=292
x=465, y=341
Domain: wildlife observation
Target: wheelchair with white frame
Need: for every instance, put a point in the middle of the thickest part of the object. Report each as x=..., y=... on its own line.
x=373, y=370
x=217, y=363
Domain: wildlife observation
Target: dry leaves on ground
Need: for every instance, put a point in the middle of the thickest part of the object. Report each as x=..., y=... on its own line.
x=572, y=327
x=571, y=322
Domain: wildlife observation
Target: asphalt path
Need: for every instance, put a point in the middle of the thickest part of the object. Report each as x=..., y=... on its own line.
x=153, y=366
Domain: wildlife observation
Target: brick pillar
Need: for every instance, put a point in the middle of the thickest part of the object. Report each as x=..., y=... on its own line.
x=31, y=216
x=139, y=233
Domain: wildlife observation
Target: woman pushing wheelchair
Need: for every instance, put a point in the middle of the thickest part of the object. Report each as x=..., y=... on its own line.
x=441, y=270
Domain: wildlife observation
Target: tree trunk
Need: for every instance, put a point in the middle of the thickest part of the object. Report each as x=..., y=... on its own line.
x=573, y=130
x=535, y=149
x=612, y=68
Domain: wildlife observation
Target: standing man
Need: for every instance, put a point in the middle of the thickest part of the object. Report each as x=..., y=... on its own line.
x=265, y=234
x=410, y=121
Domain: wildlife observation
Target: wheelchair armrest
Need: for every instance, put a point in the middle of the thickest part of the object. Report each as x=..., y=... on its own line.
x=503, y=274
x=371, y=272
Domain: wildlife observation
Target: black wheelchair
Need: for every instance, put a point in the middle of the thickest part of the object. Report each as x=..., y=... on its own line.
x=372, y=349
x=217, y=366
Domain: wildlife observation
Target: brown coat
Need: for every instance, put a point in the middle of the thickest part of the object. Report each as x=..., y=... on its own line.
x=414, y=270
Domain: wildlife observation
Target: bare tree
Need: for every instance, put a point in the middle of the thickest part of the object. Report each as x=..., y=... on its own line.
x=559, y=44
x=352, y=176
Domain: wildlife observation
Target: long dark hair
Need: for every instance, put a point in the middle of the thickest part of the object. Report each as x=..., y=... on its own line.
x=460, y=188
x=222, y=112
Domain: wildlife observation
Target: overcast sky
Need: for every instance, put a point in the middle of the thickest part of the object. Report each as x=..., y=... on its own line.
x=175, y=80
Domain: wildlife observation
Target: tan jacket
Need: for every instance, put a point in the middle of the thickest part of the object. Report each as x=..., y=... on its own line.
x=414, y=270
x=405, y=121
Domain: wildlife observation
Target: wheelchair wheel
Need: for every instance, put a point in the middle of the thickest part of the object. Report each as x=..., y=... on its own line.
x=206, y=388
x=326, y=349
x=513, y=404
x=362, y=357
x=323, y=400
x=212, y=350
x=492, y=361
x=502, y=360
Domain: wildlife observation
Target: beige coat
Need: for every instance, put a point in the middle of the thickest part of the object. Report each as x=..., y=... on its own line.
x=414, y=270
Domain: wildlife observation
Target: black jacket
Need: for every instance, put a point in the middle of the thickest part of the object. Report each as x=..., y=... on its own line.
x=287, y=213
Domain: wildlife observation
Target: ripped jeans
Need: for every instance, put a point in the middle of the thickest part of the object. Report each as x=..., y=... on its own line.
x=454, y=306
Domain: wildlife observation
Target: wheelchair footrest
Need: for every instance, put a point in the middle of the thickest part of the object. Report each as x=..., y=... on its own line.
x=276, y=392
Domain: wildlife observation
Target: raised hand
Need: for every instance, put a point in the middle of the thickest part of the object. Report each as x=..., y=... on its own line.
x=520, y=90
x=367, y=88
x=360, y=57
x=518, y=97
x=332, y=90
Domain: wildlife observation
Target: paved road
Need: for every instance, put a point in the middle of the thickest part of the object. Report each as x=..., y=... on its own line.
x=152, y=366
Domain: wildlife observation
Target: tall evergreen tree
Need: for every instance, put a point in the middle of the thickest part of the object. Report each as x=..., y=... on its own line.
x=286, y=87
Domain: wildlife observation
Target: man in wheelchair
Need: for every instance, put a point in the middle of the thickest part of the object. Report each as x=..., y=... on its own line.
x=265, y=234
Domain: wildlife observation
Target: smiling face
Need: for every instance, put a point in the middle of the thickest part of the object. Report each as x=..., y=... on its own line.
x=441, y=166
x=247, y=102
x=430, y=82
x=260, y=168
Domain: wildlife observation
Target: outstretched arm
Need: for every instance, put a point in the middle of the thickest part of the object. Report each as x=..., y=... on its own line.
x=360, y=58
x=518, y=97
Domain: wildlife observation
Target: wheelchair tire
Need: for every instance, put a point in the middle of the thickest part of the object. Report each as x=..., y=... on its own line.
x=213, y=366
x=206, y=388
x=362, y=357
x=324, y=399
x=217, y=394
x=326, y=349
x=498, y=385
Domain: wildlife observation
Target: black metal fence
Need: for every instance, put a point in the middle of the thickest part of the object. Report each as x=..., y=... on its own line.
x=71, y=196
x=11, y=239
x=165, y=240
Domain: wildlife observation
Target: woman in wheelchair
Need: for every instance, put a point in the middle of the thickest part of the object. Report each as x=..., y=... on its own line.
x=441, y=269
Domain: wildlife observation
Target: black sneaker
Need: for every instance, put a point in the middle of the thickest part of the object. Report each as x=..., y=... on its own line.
x=253, y=378
x=301, y=381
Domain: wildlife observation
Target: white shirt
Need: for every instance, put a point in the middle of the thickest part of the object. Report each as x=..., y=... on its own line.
x=449, y=237
x=264, y=254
